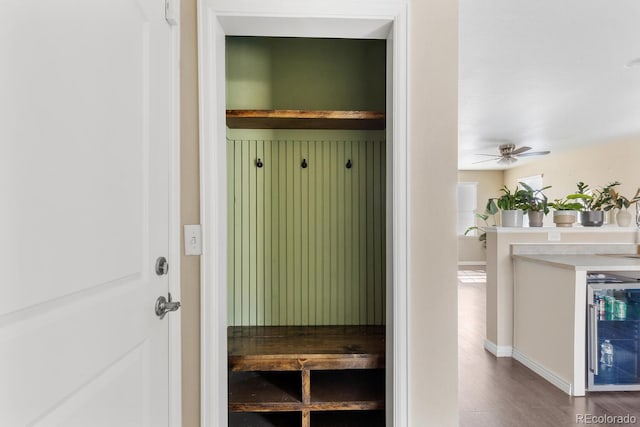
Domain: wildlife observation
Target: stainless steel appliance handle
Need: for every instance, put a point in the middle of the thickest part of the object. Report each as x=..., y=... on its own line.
x=593, y=339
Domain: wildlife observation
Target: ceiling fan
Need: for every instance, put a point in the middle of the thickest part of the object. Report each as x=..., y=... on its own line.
x=509, y=154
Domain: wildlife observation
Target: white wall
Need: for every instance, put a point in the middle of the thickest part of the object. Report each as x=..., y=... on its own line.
x=433, y=81
x=555, y=349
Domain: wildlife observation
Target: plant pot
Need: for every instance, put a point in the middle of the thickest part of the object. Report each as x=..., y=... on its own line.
x=535, y=218
x=511, y=218
x=623, y=218
x=564, y=218
x=592, y=218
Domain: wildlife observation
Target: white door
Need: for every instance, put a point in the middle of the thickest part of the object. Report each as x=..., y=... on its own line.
x=85, y=129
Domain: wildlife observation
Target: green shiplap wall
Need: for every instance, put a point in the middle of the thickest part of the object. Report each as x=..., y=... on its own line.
x=306, y=246
x=307, y=74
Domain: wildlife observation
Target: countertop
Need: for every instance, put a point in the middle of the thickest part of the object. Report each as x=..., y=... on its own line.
x=609, y=228
x=588, y=262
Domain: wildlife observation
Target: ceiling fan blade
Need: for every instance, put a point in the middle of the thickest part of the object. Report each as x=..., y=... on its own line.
x=484, y=161
x=492, y=155
x=534, y=153
x=520, y=150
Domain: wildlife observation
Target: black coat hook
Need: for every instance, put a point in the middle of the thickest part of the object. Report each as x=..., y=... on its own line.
x=304, y=164
x=259, y=163
x=349, y=164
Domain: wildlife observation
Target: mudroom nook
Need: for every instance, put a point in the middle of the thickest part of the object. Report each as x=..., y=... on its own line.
x=306, y=175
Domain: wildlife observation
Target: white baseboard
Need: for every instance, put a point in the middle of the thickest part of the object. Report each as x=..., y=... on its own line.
x=472, y=263
x=543, y=372
x=498, y=351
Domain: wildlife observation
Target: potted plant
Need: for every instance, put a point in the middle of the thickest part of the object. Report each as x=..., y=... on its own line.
x=490, y=211
x=622, y=203
x=594, y=203
x=511, y=204
x=535, y=203
x=564, y=214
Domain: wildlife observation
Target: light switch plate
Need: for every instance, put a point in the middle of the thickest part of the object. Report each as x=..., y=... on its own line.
x=192, y=239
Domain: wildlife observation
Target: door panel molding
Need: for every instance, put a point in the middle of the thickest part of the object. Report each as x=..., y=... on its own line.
x=73, y=410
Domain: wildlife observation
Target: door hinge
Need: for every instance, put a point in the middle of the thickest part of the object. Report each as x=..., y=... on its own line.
x=170, y=12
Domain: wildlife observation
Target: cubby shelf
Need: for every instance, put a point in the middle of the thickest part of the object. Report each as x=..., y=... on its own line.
x=320, y=373
x=318, y=419
x=306, y=119
x=340, y=390
x=265, y=392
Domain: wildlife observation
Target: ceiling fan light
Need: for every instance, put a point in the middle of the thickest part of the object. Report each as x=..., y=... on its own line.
x=507, y=160
x=633, y=63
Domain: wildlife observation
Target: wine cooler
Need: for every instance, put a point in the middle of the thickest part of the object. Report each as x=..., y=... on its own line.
x=613, y=304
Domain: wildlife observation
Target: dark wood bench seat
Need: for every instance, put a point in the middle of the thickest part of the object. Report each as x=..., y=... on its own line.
x=340, y=369
x=293, y=348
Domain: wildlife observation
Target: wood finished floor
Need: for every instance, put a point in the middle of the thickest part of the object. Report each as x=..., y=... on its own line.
x=502, y=392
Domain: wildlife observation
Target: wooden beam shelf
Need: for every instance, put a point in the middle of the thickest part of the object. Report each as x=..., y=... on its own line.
x=306, y=119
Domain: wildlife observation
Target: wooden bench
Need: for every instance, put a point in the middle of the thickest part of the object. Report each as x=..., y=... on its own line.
x=306, y=375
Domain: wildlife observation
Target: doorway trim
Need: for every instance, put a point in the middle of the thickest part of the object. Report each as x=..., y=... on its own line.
x=384, y=19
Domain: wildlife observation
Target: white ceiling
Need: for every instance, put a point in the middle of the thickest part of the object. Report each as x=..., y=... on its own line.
x=549, y=74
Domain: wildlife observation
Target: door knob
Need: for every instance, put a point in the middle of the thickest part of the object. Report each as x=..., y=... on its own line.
x=163, y=306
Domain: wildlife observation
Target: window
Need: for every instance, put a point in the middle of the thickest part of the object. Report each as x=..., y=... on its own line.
x=534, y=181
x=467, y=205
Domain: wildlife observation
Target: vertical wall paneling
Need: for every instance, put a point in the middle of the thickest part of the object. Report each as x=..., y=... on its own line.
x=304, y=234
x=312, y=236
x=237, y=232
x=362, y=223
x=282, y=259
x=252, y=240
x=333, y=230
x=326, y=232
x=340, y=208
x=378, y=211
x=291, y=166
x=231, y=163
x=381, y=261
x=307, y=245
x=275, y=234
x=346, y=223
x=296, y=235
x=268, y=239
x=259, y=238
x=355, y=233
